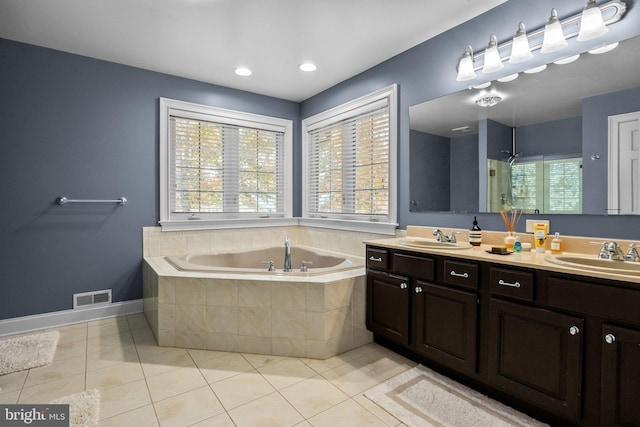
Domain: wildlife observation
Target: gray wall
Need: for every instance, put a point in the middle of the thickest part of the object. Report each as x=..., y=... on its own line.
x=427, y=71
x=463, y=177
x=86, y=129
x=430, y=159
x=550, y=138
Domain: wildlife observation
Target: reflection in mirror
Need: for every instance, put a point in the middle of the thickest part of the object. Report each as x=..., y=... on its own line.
x=455, y=145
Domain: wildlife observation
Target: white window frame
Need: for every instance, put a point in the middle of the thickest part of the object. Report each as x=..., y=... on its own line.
x=334, y=115
x=169, y=107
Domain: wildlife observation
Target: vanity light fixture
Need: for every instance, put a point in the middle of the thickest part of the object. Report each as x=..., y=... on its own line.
x=591, y=22
x=482, y=85
x=492, y=60
x=488, y=100
x=509, y=78
x=553, y=35
x=535, y=70
x=243, y=72
x=604, y=49
x=567, y=60
x=584, y=25
x=520, y=50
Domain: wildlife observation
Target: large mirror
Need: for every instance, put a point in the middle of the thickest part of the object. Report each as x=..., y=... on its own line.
x=528, y=150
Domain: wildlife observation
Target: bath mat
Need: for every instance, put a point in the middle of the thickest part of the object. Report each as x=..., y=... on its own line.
x=421, y=397
x=84, y=408
x=28, y=351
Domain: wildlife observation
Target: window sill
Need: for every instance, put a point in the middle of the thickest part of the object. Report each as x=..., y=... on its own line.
x=361, y=226
x=227, y=223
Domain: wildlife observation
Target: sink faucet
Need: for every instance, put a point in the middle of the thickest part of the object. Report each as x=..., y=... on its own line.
x=632, y=254
x=442, y=237
x=287, y=254
x=614, y=251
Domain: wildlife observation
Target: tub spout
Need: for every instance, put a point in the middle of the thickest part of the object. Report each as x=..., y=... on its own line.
x=287, y=254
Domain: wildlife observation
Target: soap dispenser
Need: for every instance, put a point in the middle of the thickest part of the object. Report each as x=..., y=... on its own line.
x=475, y=234
x=556, y=244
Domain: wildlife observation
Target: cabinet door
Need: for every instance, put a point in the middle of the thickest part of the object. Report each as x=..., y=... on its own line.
x=444, y=325
x=536, y=355
x=620, y=377
x=388, y=306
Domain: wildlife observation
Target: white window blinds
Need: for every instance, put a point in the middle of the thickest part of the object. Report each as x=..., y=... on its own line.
x=222, y=168
x=220, y=164
x=348, y=164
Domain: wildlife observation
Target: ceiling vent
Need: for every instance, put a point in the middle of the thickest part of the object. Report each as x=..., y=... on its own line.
x=92, y=299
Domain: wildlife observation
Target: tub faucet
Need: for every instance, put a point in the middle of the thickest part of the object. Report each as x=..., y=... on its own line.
x=287, y=254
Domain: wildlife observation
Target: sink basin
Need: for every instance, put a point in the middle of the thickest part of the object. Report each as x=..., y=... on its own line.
x=598, y=264
x=432, y=244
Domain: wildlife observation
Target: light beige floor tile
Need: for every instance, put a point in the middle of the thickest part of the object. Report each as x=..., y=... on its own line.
x=286, y=372
x=56, y=371
x=111, y=357
x=359, y=352
x=188, y=408
x=72, y=335
x=320, y=365
x=118, y=326
x=115, y=375
x=376, y=410
x=268, y=411
x=143, y=336
x=108, y=342
x=221, y=420
x=174, y=382
x=141, y=417
x=137, y=321
x=81, y=325
x=241, y=389
x=260, y=360
x=347, y=413
x=352, y=378
x=9, y=397
x=313, y=395
x=166, y=361
x=46, y=392
x=66, y=350
x=304, y=423
x=386, y=363
x=217, y=367
x=123, y=398
x=13, y=381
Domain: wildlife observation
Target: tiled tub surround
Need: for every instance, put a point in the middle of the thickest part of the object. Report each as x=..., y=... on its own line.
x=316, y=317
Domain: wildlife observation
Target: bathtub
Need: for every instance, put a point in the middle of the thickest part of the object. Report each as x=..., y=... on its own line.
x=257, y=262
x=231, y=302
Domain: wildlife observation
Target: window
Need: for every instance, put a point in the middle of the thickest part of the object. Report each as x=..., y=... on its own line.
x=349, y=160
x=221, y=165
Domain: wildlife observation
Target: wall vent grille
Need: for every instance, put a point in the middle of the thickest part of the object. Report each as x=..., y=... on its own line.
x=94, y=298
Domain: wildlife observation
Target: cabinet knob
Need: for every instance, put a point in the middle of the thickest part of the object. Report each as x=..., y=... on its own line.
x=418, y=289
x=610, y=338
x=403, y=285
x=574, y=330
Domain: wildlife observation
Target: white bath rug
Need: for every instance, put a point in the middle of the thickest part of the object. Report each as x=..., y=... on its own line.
x=421, y=397
x=28, y=351
x=84, y=408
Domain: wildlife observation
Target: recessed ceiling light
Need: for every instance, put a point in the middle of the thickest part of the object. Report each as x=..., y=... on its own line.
x=242, y=71
x=307, y=66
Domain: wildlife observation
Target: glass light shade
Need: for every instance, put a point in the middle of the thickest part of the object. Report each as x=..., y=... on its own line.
x=465, y=66
x=567, y=60
x=591, y=22
x=492, y=60
x=536, y=69
x=508, y=78
x=604, y=49
x=553, y=36
x=520, y=50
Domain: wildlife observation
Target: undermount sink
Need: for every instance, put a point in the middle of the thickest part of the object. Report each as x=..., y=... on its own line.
x=598, y=264
x=432, y=244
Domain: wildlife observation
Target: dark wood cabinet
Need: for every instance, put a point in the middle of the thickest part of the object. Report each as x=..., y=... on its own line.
x=620, y=390
x=536, y=355
x=444, y=323
x=388, y=306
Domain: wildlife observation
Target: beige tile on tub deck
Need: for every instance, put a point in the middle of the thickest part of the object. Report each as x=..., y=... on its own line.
x=271, y=410
x=221, y=293
x=288, y=296
x=167, y=290
x=288, y=324
x=255, y=322
x=257, y=345
x=288, y=347
x=222, y=342
x=191, y=318
x=254, y=294
x=191, y=291
x=222, y=320
x=188, y=408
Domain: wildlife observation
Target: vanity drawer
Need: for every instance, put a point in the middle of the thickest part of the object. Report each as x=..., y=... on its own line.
x=378, y=258
x=512, y=283
x=461, y=274
x=414, y=266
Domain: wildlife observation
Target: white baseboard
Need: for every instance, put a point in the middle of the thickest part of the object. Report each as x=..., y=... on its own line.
x=36, y=322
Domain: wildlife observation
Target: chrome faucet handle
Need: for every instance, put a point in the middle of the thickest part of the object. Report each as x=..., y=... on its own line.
x=438, y=233
x=271, y=266
x=452, y=238
x=632, y=254
x=604, y=253
x=303, y=266
x=615, y=252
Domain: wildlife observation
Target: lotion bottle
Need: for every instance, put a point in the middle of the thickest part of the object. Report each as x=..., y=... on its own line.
x=556, y=244
x=475, y=234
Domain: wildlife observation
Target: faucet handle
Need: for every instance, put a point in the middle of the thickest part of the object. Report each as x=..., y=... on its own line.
x=303, y=266
x=452, y=238
x=632, y=253
x=604, y=253
x=271, y=266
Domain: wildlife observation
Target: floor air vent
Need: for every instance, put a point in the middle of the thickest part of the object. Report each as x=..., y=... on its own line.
x=94, y=298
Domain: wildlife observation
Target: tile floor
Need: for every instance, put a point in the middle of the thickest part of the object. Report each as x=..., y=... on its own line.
x=142, y=384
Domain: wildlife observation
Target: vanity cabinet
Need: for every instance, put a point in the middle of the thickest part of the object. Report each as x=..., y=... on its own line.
x=564, y=348
x=620, y=383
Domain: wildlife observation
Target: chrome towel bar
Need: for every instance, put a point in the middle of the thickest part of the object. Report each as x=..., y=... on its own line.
x=62, y=200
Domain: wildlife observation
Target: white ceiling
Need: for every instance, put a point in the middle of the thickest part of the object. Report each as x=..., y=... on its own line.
x=206, y=40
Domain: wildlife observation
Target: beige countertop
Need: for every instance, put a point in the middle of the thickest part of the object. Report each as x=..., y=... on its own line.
x=524, y=259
